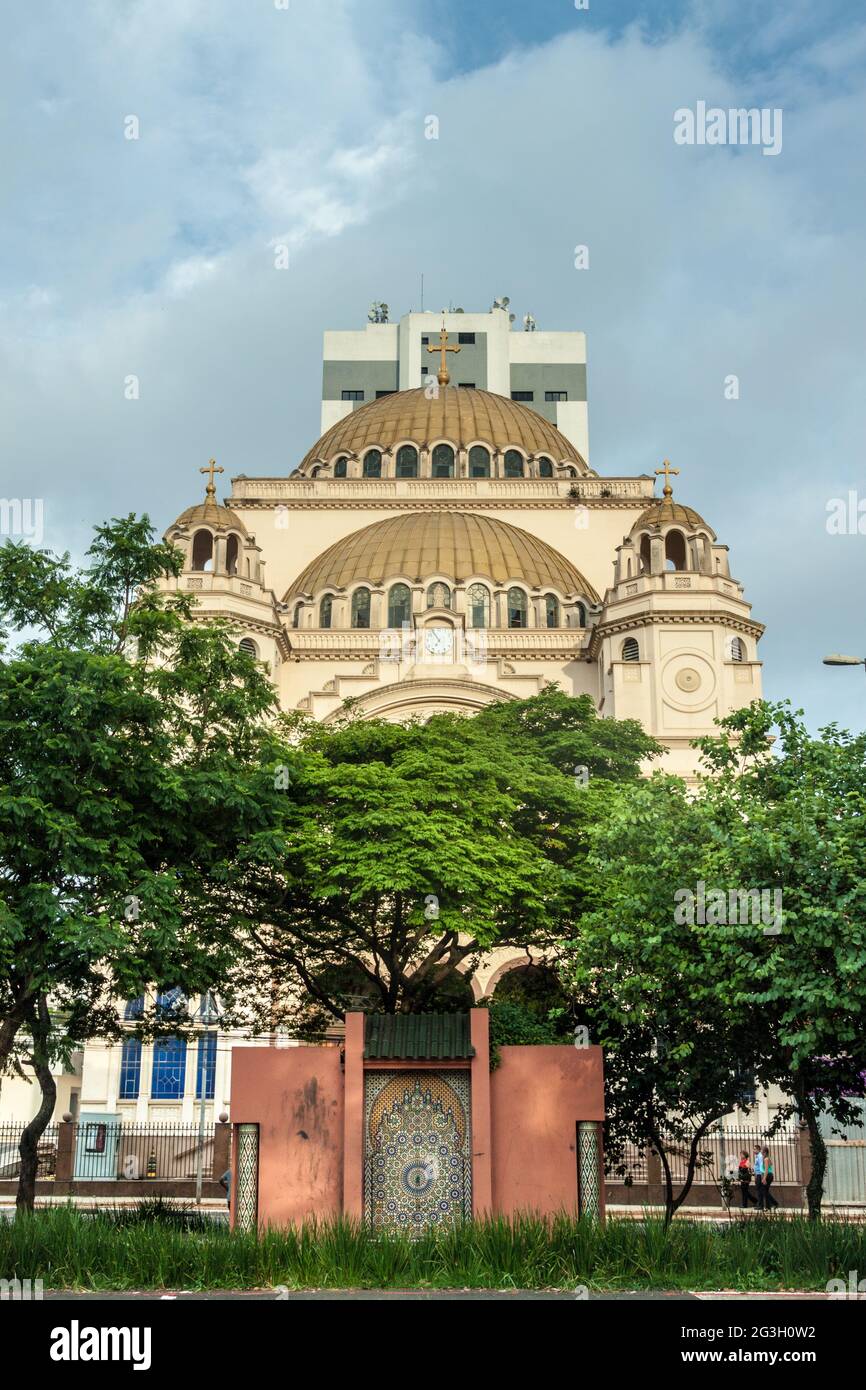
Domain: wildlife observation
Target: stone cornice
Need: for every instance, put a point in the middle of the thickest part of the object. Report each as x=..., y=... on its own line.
x=695, y=618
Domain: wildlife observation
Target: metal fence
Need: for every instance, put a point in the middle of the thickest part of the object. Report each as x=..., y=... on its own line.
x=10, y=1159
x=105, y=1149
x=718, y=1155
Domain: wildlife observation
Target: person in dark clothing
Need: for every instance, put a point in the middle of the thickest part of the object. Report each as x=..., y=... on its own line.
x=744, y=1174
x=226, y=1182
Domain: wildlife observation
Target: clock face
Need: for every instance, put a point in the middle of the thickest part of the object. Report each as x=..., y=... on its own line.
x=438, y=641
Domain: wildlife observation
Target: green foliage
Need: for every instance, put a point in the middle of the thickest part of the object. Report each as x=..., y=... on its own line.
x=127, y=786
x=689, y=1010
x=514, y=1025
x=409, y=850
x=70, y=1249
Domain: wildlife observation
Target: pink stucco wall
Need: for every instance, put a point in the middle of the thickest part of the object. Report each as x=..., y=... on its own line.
x=538, y=1094
x=295, y=1096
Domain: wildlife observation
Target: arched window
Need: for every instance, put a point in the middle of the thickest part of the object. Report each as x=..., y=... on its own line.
x=630, y=649
x=296, y=615
x=134, y=1008
x=232, y=555
x=738, y=651
x=169, y=1069
x=202, y=550
x=551, y=610
x=246, y=644
x=326, y=608
x=407, y=461
x=439, y=596
x=340, y=468
x=478, y=603
x=645, y=555
x=675, y=550
x=171, y=1002
x=581, y=615
x=372, y=464
x=130, y=1069
x=399, y=605
x=517, y=608
x=479, y=462
x=443, y=461
x=513, y=464
x=545, y=468
x=361, y=608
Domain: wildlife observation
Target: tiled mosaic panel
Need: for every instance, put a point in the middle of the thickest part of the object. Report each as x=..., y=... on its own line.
x=417, y=1149
x=588, y=1161
x=247, y=1189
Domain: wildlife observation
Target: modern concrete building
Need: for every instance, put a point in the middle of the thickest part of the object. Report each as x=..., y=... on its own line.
x=545, y=371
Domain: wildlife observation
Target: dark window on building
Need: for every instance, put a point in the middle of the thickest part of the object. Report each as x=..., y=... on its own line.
x=523, y=395
x=517, y=608
x=466, y=337
x=361, y=608
x=206, y=1067
x=479, y=462
x=399, y=605
x=425, y=342
x=326, y=609
x=513, y=464
x=352, y=395
x=443, y=461
x=545, y=468
x=340, y=468
x=380, y=394
x=470, y=384
x=372, y=464
x=556, y=395
x=407, y=462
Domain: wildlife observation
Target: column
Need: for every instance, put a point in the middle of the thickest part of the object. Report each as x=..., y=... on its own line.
x=245, y=1179
x=589, y=1169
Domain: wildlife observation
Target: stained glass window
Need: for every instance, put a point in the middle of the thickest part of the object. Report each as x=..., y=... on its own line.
x=130, y=1069
x=169, y=1069
x=206, y=1067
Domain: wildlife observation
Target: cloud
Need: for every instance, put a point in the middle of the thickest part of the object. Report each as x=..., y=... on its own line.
x=305, y=127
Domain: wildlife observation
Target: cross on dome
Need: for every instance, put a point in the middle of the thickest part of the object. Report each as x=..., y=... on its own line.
x=443, y=376
x=210, y=490
x=667, y=471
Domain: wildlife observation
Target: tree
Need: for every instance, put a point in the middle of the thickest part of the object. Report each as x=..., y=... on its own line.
x=651, y=982
x=726, y=940
x=136, y=755
x=409, y=850
x=789, y=815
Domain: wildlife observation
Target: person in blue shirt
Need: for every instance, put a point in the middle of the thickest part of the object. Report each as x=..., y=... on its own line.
x=759, y=1178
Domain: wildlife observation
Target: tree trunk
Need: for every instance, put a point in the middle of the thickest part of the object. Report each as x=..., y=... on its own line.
x=28, y=1146
x=818, y=1149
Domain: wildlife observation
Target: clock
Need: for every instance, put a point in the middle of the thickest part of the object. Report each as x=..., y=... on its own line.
x=438, y=641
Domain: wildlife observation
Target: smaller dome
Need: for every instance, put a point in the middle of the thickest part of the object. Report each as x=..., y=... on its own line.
x=665, y=512
x=210, y=513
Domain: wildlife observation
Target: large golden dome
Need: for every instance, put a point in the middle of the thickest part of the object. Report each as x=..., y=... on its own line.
x=456, y=545
x=458, y=414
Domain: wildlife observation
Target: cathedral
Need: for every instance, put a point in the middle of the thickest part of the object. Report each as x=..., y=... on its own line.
x=445, y=546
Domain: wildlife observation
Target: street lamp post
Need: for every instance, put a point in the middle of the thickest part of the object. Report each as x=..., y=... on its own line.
x=836, y=659
x=209, y=1014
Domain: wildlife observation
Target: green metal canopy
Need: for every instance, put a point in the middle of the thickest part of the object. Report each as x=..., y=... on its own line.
x=421, y=1037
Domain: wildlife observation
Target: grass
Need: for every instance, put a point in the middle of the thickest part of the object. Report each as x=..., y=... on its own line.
x=136, y=1249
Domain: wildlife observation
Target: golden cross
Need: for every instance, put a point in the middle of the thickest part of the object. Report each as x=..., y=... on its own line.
x=443, y=378
x=210, y=470
x=667, y=471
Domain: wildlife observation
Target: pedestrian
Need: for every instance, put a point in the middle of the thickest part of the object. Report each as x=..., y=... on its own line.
x=759, y=1177
x=744, y=1174
x=226, y=1182
x=769, y=1174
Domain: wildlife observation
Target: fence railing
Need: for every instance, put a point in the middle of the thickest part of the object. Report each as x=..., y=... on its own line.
x=718, y=1155
x=93, y=1150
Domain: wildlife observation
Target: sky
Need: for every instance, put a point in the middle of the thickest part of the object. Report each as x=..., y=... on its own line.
x=301, y=123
